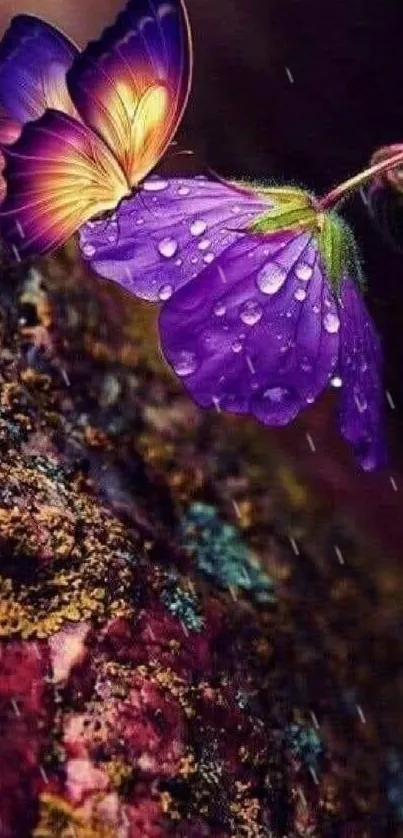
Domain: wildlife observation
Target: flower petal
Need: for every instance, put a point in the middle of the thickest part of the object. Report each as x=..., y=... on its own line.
x=167, y=233
x=258, y=331
x=360, y=365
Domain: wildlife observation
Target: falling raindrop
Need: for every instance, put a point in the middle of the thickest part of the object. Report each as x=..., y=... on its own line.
x=165, y=292
x=185, y=364
x=168, y=247
x=155, y=185
x=271, y=278
x=331, y=323
x=251, y=312
x=198, y=227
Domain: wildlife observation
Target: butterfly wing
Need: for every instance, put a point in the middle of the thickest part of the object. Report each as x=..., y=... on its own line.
x=167, y=233
x=257, y=331
x=58, y=174
x=131, y=86
x=34, y=59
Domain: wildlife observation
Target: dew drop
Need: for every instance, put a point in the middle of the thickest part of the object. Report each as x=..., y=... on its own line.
x=237, y=346
x=183, y=190
x=219, y=309
x=300, y=295
x=198, y=227
x=168, y=247
x=165, y=292
x=275, y=394
x=360, y=400
x=251, y=312
x=303, y=271
x=331, y=323
x=271, y=278
x=155, y=185
x=194, y=260
x=336, y=381
x=204, y=244
x=185, y=363
x=89, y=249
x=178, y=263
x=208, y=258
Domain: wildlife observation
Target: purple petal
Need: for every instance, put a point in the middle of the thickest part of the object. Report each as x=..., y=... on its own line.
x=360, y=366
x=167, y=233
x=258, y=331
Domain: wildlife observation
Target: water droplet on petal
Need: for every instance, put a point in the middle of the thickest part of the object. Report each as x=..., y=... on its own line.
x=168, y=247
x=303, y=271
x=336, y=381
x=316, y=309
x=198, y=227
x=310, y=399
x=331, y=323
x=251, y=312
x=183, y=190
x=178, y=263
x=204, y=244
x=300, y=294
x=156, y=185
x=185, y=363
x=235, y=209
x=165, y=292
x=275, y=394
x=306, y=366
x=89, y=249
x=219, y=309
x=271, y=278
x=237, y=346
x=208, y=258
x=140, y=221
x=360, y=400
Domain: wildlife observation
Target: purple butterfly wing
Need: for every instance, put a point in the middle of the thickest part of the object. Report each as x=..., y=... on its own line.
x=258, y=331
x=164, y=236
x=361, y=394
x=131, y=86
x=34, y=59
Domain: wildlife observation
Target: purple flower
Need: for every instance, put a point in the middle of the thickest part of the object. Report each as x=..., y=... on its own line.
x=262, y=300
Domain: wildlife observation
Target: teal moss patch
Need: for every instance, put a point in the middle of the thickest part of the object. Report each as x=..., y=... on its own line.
x=221, y=554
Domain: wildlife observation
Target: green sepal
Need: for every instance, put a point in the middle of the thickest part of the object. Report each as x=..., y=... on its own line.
x=338, y=251
x=292, y=208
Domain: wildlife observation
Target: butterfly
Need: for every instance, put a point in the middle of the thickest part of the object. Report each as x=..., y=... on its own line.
x=80, y=131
